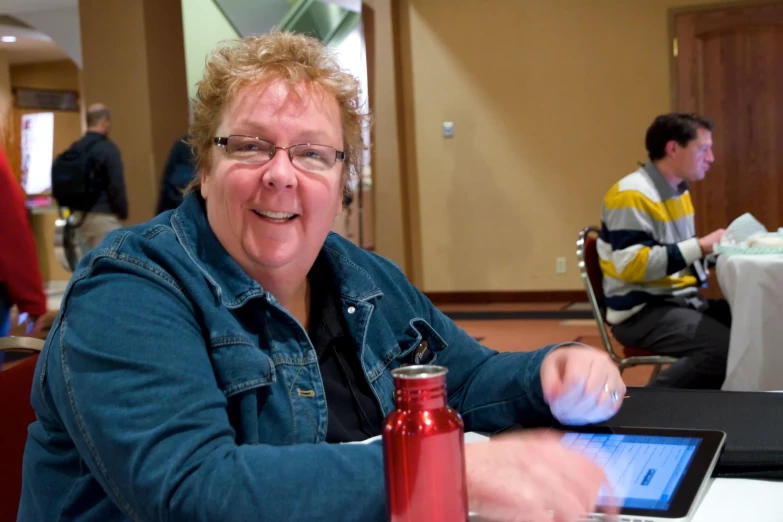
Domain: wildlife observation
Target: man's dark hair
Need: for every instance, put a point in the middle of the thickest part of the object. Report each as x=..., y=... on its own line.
x=678, y=126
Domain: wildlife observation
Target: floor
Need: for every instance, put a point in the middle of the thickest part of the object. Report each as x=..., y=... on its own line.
x=520, y=335
x=564, y=322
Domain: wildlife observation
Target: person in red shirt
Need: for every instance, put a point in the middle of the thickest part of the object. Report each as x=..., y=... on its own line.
x=20, y=279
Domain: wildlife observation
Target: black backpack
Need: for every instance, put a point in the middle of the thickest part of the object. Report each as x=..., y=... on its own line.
x=77, y=178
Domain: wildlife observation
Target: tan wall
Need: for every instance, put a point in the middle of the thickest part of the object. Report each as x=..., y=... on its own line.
x=387, y=205
x=169, y=98
x=134, y=62
x=68, y=127
x=60, y=75
x=6, y=102
x=115, y=73
x=550, y=102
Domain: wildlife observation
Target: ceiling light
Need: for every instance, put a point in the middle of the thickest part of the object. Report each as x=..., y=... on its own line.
x=8, y=39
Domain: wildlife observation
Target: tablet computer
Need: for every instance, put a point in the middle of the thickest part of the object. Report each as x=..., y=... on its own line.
x=657, y=475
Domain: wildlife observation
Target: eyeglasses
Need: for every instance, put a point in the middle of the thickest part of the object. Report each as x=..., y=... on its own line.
x=255, y=151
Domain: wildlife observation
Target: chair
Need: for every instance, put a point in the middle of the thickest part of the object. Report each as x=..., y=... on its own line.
x=16, y=414
x=590, y=270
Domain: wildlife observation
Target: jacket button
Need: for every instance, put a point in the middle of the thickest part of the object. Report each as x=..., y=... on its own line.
x=351, y=309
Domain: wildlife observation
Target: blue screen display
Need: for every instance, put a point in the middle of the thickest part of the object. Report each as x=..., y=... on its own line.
x=643, y=471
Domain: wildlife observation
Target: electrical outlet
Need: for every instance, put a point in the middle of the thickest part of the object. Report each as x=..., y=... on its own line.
x=448, y=129
x=560, y=265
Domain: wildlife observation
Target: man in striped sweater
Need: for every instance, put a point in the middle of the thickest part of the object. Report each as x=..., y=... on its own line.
x=651, y=258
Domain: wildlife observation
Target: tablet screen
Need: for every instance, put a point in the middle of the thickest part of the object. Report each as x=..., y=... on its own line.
x=644, y=471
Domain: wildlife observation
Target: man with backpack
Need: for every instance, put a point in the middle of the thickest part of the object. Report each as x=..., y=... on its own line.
x=88, y=179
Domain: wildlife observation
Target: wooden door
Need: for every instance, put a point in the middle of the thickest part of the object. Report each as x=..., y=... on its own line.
x=729, y=67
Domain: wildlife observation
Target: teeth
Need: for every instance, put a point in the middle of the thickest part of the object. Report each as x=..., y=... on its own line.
x=274, y=215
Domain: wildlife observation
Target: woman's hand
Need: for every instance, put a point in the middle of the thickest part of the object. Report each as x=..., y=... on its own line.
x=531, y=477
x=581, y=385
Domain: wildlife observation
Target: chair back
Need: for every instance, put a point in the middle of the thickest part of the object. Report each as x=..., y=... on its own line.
x=16, y=414
x=593, y=279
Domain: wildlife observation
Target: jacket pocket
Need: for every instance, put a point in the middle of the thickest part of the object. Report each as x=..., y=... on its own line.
x=244, y=373
x=420, y=344
x=240, y=365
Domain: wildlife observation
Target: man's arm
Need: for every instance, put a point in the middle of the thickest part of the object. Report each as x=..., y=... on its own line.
x=118, y=199
x=18, y=259
x=637, y=256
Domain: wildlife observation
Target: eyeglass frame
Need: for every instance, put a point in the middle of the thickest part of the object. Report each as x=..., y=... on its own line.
x=222, y=141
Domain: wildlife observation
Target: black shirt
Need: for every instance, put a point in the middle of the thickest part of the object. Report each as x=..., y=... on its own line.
x=177, y=175
x=113, y=199
x=353, y=411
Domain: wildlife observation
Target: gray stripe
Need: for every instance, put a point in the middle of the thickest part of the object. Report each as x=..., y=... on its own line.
x=665, y=190
x=654, y=268
x=657, y=262
x=636, y=219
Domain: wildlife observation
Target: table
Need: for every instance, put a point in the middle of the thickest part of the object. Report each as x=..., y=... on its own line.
x=753, y=286
x=741, y=500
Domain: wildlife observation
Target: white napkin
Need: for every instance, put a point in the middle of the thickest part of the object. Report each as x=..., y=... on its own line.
x=742, y=229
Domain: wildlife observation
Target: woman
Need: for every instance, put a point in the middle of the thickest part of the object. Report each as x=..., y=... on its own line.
x=204, y=364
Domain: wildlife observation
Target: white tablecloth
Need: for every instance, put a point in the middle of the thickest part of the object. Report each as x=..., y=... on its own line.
x=753, y=286
x=734, y=500
x=743, y=500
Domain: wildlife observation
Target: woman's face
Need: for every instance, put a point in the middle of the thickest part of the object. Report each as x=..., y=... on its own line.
x=273, y=218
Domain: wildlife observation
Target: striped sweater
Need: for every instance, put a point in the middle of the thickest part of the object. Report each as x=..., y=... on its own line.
x=646, y=245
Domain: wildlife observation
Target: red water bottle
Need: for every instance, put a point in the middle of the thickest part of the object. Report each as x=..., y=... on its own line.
x=423, y=450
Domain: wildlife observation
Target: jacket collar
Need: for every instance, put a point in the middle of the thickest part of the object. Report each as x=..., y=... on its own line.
x=661, y=185
x=232, y=286
x=352, y=281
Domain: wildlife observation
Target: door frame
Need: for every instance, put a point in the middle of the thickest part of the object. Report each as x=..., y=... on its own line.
x=674, y=11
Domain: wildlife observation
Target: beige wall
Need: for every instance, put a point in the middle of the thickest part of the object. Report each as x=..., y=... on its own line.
x=68, y=127
x=387, y=192
x=166, y=71
x=6, y=102
x=59, y=75
x=133, y=61
x=550, y=102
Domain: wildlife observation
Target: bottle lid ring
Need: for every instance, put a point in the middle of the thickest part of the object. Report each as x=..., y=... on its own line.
x=418, y=371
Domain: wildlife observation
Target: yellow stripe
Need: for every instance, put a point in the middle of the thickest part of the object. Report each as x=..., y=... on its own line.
x=609, y=270
x=635, y=269
x=680, y=208
x=674, y=282
x=633, y=272
x=671, y=210
x=687, y=203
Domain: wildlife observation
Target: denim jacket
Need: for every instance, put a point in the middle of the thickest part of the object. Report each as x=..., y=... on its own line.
x=172, y=387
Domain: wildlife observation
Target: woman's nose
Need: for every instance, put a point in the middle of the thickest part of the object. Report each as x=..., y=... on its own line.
x=279, y=172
